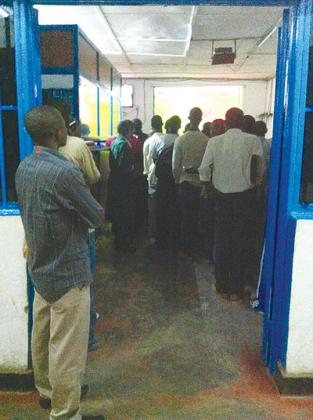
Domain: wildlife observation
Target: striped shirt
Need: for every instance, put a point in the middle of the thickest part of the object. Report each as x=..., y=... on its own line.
x=57, y=209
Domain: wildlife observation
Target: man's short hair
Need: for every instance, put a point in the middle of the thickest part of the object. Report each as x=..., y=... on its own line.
x=234, y=117
x=63, y=107
x=124, y=127
x=156, y=121
x=195, y=113
x=137, y=124
x=42, y=123
x=260, y=128
x=248, y=124
x=173, y=124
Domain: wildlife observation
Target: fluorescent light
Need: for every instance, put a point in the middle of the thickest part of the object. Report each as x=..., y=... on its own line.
x=3, y=13
x=156, y=54
x=151, y=39
x=269, y=34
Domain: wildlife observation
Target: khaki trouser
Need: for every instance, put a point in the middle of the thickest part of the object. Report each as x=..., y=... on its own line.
x=59, y=350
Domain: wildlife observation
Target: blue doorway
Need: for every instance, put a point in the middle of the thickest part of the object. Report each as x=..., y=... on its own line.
x=284, y=207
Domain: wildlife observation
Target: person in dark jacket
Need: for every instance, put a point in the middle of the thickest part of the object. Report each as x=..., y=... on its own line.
x=121, y=188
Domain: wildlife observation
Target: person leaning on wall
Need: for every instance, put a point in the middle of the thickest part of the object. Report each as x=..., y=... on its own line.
x=57, y=209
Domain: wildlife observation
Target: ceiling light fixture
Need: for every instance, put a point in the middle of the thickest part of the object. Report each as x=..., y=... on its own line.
x=271, y=32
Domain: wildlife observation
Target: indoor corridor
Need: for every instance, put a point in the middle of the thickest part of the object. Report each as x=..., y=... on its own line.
x=169, y=348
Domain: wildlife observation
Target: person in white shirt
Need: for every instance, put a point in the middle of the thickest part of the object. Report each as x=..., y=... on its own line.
x=233, y=162
x=187, y=156
x=167, y=223
x=149, y=172
x=172, y=127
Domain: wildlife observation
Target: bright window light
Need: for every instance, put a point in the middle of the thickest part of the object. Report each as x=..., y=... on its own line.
x=127, y=95
x=213, y=100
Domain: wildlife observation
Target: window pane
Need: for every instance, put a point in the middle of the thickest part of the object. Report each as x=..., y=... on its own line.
x=105, y=113
x=307, y=164
x=310, y=79
x=11, y=151
x=7, y=63
x=116, y=114
x=88, y=105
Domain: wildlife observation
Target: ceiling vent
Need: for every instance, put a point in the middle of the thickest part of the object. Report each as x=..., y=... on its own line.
x=223, y=55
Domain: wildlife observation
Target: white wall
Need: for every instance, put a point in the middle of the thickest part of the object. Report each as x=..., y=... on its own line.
x=13, y=297
x=300, y=339
x=255, y=98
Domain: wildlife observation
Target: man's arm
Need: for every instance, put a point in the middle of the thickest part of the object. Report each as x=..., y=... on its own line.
x=256, y=171
x=177, y=160
x=75, y=195
x=205, y=170
x=145, y=152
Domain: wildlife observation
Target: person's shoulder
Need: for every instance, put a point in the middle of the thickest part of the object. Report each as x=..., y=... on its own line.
x=203, y=137
x=251, y=137
x=75, y=143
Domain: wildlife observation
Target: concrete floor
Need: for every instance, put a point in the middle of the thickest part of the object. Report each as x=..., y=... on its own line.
x=169, y=348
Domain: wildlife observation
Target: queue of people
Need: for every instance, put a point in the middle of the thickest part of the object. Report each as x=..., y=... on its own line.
x=206, y=192
x=199, y=192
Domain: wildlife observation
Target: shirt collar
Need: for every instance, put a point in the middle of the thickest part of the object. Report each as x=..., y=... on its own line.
x=42, y=149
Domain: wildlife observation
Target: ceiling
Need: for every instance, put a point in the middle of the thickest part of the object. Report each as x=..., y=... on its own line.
x=176, y=41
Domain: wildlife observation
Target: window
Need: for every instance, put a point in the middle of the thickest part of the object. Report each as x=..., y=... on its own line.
x=9, y=144
x=127, y=95
x=88, y=105
x=307, y=162
x=213, y=100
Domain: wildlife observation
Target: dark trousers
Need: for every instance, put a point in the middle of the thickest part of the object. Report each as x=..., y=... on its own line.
x=234, y=221
x=206, y=215
x=189, y=199
x=167, y=215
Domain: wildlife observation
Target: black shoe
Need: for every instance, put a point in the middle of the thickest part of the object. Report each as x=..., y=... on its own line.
x=100, y=417
x=45, y=403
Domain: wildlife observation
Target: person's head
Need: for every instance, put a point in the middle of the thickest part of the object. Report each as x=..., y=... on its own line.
x=84, y=130
x=206, y=129
x=137, y=126
x=156, y=124
x=125, y=128
x=74, y=128
x=218, y=127
x=187, y=127
x=63, y=107
x=46, y=126
x=173, y=124
x=248, y=124
x=260, y=128
x=234, y=118
x=195, y=117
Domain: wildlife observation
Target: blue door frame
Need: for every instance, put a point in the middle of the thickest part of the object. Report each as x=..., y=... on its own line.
x=284, y=208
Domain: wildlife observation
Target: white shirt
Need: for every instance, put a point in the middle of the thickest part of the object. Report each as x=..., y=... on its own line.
x=148, y=162
x=188, y=153
x=161, y=143
x=228, y=159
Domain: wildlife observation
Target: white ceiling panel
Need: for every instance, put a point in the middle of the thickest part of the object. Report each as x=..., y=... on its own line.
x=145, y=10
x=176, y=41
x=155, y=26
x=133, y=46
x=146, y=60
